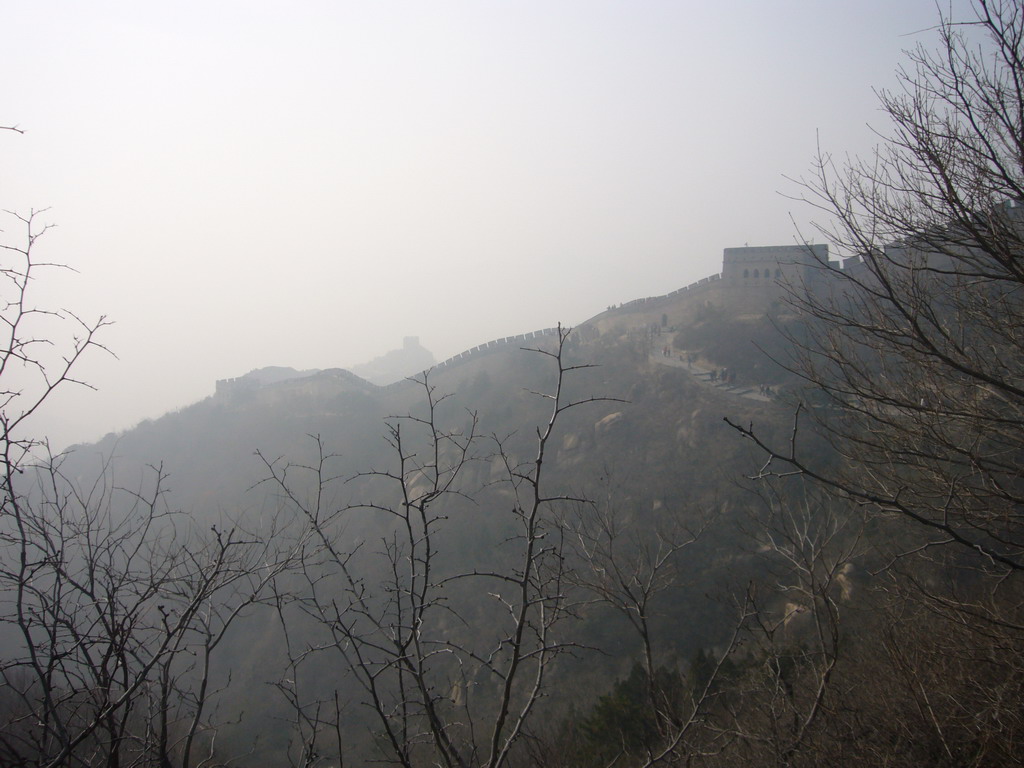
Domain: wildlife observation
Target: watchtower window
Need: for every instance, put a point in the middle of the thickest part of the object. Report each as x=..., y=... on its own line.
x=778, y=273
x=757, y=274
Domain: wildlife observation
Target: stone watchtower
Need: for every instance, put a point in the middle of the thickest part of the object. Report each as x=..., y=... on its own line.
x=755, y=277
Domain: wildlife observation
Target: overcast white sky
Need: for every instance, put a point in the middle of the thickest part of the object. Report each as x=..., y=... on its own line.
x=242, y=184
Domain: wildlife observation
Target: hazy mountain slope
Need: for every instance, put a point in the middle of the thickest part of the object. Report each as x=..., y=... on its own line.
x=658, y=451
x=669, y=416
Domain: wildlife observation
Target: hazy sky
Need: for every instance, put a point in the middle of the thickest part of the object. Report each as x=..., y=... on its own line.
x=242, y=184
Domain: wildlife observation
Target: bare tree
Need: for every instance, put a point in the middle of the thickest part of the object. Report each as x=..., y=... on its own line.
x=628, y=564
x=451, y=662
x=916, y=343
x=914, y=350
x=120, y=608
x=779, y=710
x=112, y=606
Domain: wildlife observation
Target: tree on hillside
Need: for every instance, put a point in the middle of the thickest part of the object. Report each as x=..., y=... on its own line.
x=631, y=566
x=451, y=660
x=917, y=346
x=113, y=608
x=118, y=609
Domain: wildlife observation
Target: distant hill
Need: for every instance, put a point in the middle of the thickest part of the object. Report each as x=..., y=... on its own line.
x=396, y=364
x=208, y=447
x=658, y=451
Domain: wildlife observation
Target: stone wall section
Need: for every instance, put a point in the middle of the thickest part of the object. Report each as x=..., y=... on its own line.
x=244, y=385
x=751, y=279
x=480, y=350
x=653, y=302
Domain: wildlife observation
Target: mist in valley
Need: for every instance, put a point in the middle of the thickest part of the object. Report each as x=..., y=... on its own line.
x=475, y=385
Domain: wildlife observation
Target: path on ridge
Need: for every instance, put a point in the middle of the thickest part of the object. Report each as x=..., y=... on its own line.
x=703, y=375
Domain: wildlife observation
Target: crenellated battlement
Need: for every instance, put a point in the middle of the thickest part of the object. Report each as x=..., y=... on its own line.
x=751, y=278
x=760, y=266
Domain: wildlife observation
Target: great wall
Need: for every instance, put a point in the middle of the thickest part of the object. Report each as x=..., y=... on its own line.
x=751, y=278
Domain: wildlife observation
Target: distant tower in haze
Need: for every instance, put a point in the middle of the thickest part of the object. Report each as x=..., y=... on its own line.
x=754, y=277
x=758, y=266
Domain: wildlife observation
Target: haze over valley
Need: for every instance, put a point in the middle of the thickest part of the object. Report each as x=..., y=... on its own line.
x=248, y=186
x=511, y=385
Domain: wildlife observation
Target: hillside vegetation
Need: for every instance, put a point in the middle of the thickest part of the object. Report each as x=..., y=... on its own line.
x=758, y=521
x=670, y=605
